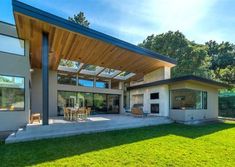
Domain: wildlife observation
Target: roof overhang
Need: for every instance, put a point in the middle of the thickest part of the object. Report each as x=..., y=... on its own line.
x=189, y=78
x=71, y=41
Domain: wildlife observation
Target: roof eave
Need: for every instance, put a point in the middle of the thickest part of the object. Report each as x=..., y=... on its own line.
x=66, y=24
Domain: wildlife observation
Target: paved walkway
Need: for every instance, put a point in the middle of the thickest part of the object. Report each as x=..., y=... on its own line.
x=99, y=123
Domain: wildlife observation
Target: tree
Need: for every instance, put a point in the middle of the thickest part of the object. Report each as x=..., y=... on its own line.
x=192, y=59
x=80, y=19
x=222, y=60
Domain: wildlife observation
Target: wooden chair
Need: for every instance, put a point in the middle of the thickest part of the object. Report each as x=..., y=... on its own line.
x=35, y=117
x=73, y=114
x=66, y=113
x=81, y=113
x=87, y=112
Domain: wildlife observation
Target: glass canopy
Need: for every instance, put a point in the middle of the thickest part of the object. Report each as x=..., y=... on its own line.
x=91, y=69
x=88, y=69
x=109, y=73
x=124, y=75
x=69, y=66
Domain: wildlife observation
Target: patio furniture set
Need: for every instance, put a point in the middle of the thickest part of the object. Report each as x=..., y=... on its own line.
x=75, y=114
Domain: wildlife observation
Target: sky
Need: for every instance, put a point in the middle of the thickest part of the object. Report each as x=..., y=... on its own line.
x=134, y=20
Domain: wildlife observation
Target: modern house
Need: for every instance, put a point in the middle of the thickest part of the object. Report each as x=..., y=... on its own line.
x=48, y=63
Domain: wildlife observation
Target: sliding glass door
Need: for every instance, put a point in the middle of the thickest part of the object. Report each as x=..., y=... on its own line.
x=99, y=103
x=65, y=99
x=113, y=104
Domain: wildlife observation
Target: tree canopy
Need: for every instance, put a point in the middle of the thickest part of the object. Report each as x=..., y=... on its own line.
x=210, y=60
x=80, y=19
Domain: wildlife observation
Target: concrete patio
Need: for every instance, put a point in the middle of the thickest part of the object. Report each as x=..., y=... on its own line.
x=98, y=123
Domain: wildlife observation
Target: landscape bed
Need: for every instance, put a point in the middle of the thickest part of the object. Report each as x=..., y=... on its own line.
x=163, y=145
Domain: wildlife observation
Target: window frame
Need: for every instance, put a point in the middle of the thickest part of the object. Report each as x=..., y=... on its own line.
x=204, y=103
x=23, y=110
x=15, y=54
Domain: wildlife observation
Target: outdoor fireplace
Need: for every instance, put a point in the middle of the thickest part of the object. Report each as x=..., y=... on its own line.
x=155, y=108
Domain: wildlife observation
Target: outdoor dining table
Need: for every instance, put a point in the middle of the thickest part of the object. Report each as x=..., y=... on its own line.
x=76, y=113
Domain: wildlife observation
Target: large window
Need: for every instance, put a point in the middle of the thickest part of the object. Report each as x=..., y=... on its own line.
x=85, y=82
x=101, y=84
x=66, y=79
x=12, y=93
x=11, y=45
x=188, y=99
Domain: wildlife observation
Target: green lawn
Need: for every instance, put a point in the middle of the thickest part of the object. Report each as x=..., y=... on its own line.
x=164, y=145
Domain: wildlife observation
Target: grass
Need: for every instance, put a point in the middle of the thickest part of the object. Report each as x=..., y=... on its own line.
x=164, y=145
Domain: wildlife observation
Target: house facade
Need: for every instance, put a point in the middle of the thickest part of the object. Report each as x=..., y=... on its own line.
x=48, y=63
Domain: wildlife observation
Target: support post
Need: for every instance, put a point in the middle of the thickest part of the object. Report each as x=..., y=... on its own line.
x=45, y=84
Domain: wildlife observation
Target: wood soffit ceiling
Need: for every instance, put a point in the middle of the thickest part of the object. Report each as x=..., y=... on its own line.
x=65, y=44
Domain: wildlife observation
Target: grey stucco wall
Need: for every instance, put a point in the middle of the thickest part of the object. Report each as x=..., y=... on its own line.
x=37, y=92
x=14, y=65
x=54, y=87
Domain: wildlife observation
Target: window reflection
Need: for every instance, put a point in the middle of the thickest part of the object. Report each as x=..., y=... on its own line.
x=188, y=99
x=11, y=45
x=12, y=93
x=66, y=79
x=85, y=82
x=98, y=102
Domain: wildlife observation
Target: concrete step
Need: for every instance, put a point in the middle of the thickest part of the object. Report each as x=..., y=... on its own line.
x=68, y=129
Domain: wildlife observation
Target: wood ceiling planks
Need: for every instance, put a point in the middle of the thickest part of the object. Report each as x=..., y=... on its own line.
x=64, y=44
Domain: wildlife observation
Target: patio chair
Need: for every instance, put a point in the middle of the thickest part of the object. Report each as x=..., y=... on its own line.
x=88, y=112
x=73, y=114
x=66, y=113
x=35, y=117
x=81, y=113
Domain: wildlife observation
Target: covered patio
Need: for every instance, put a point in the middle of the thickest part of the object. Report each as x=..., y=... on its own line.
x=97, y=59
x=58, y=127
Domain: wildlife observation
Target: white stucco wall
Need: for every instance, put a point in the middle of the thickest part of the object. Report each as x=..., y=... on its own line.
x=163, y=100
x=14, y=65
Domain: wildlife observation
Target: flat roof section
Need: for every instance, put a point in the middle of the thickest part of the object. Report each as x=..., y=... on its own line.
x=72, y=41
x=180, y=79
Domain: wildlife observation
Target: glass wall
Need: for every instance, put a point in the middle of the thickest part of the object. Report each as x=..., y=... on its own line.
x=188, y=99
x=12, y=45
x=12, y=93
x=101, y=84
x=66, y=79
x=113, y=103
x=99, y=103
x=85, y=82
